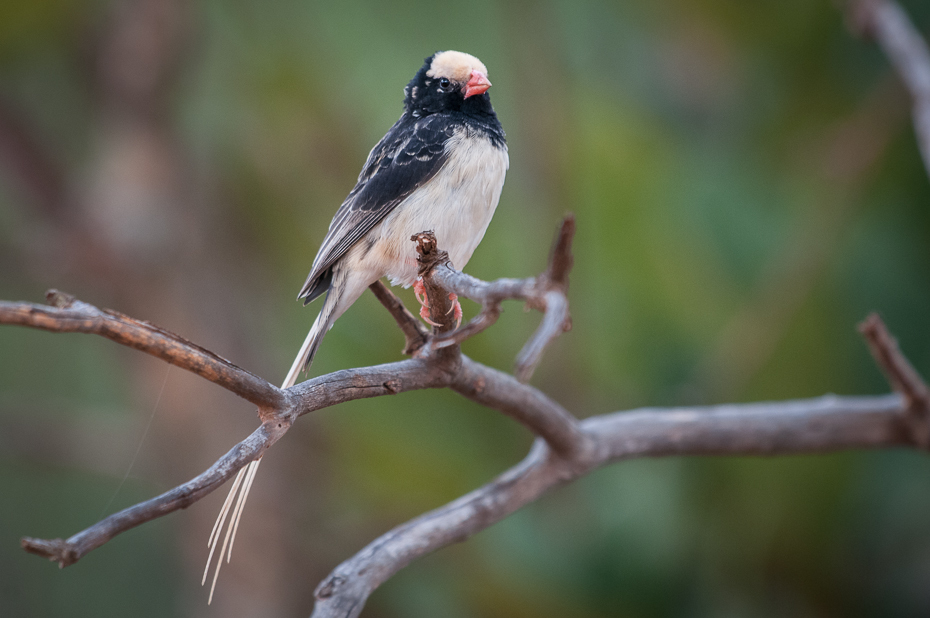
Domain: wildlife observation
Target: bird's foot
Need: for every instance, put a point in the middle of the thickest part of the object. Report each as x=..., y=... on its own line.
x=419, y=290
x=424, y=313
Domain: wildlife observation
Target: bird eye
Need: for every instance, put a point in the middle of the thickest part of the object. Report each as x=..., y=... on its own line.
x=444, y=84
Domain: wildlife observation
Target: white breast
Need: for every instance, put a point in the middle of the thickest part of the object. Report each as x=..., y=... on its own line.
x=457, y=204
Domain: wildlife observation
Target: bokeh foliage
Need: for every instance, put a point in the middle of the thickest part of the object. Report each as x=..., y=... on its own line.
x=747, y=187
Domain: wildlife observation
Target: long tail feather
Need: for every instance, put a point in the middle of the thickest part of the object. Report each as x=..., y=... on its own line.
x=246, y=476
x=219, y=522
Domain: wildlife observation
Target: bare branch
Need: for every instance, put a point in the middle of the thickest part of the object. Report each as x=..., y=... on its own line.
x=309, y=396
x=491, y=388
x=556, y=320
x=907, y=51
x=554, y=302
x=566, y=448
x=540, y=414
x=68, y=315
x=67, y=552
x=561, y=259
x=821, y=425
x=365, y=382
x=414, y=332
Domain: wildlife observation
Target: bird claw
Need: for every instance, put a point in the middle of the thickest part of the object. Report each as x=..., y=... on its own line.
x=419, y=290
x=455, y=309
x=424, y=314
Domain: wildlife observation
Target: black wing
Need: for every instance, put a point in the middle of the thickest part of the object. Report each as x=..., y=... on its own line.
x=411, y=153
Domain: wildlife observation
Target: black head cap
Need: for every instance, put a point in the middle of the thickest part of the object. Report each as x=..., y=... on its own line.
x=442, y=85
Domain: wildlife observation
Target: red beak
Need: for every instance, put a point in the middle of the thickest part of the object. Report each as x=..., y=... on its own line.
x=477, y=84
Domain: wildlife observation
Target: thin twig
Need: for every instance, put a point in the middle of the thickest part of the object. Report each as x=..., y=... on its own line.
x=414, y=332
x=556, y=320
x=67, y=552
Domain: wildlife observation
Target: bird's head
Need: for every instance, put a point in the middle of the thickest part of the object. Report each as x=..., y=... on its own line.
x=448, y=81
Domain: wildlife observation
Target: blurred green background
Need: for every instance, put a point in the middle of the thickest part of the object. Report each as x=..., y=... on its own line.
x=747, y=187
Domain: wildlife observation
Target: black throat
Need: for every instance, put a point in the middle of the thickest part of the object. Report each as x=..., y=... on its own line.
x=422, y=98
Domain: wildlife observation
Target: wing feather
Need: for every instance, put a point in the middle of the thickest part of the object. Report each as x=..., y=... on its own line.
x=408, y=156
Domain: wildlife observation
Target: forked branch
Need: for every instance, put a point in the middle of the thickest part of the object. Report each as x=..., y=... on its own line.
x=546, y=292
x=278, y=408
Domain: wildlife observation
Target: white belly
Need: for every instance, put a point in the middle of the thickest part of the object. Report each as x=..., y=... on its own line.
x=457, y=205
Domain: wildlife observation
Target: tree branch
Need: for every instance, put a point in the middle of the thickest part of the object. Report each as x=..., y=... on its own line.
x=69, y=315
x=430, y=368
x=414, y=332
x=309, y=396
x=821, y=425
x=67, y=552
x=529, y=406
x=887, y=23
x=565, y=449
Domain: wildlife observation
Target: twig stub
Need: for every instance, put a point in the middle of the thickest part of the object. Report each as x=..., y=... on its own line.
x=902, y=376
x=56, y=550
x=60, y=300
x=561, y=260
x=428, y=252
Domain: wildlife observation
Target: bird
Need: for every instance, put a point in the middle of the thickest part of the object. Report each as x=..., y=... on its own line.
x=441, y=167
